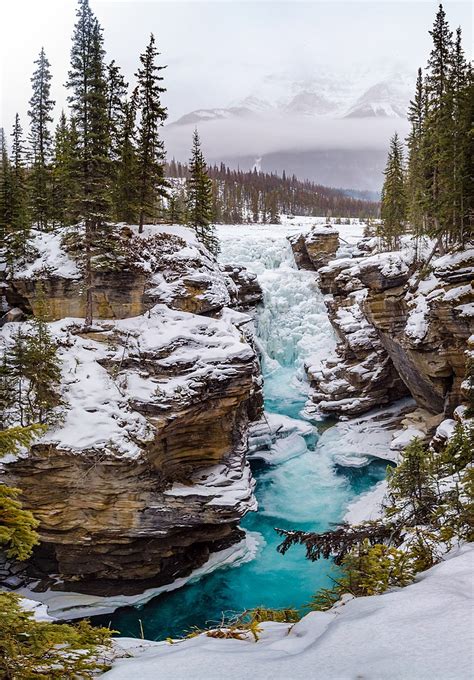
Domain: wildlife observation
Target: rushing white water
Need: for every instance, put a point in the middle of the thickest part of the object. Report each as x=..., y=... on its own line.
x=293, y=326
x=302, y=488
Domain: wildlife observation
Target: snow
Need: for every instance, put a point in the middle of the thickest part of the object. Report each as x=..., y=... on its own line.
x=367, y=506
x=39, y=610
x=420, y=632
x=188, y=350
x=290, y=294
x=223, y=485
x=70, y=605
x=51, y=259
x=355, y=442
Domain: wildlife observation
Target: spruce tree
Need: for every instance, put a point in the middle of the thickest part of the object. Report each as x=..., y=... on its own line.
x=40, y=113
x=125, y=190
x=34, y=370
x=152, y=183
x=393, y=204
x=416, y=185
x=199, y=186
x=64, y=173
x=88, y=102
x=5, y=194
x=462, y=94
x=18, y=230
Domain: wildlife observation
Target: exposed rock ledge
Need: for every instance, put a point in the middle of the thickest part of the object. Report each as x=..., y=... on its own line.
x=398, y=333
x=146, y=475
x=316, y=248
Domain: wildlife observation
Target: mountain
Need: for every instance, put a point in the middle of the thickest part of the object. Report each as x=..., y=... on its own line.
x=332, y=128
x=357, y=95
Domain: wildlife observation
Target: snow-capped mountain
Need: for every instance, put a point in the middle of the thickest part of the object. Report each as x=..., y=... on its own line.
x=329, y=127
x=360, y=94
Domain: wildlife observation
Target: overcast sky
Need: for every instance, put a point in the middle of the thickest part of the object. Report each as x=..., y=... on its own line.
x=217, y=51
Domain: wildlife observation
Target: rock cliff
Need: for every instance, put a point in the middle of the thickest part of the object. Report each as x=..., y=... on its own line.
x=316, y=248
x=402, y=330
x=144, y=474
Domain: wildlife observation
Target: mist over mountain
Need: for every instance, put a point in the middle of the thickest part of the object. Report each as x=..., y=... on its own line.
x=332, y=128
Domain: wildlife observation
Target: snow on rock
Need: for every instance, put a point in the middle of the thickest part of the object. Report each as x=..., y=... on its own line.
x=421, y=632
x=367, y=506
x=189, y=351
x=355, y=442
x=276, y=438
x=38, y=609
x=51, y=258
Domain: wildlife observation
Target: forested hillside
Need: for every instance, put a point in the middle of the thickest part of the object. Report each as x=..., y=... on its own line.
x=252, y=196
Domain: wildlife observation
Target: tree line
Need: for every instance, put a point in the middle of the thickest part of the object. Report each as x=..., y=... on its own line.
x=104, y=163
x=250, y=196
x=430, y=192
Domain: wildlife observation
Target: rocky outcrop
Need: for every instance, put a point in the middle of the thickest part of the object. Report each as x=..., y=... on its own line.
x=399, y=332
x=316, y=248
x=163, y=265
x=144, y=472
x=246, y=293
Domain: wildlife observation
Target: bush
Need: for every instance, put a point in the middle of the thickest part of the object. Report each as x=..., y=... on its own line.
x=40, y=650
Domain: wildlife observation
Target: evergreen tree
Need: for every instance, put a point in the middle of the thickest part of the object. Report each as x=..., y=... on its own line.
x=393, y=208
x=5, y=194
x=88, y=102
x=40, y=113
x=18, y=231
x=462, y=94
x=64, y=173
x=199, y=187
x=438, y=129
x=416, y=185
x=116, y=97
x=152, y=183
x=17, y=526
x=125, y=192
x=34, y=371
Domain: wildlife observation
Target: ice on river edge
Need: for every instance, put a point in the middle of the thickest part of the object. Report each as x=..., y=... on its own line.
x=70, y=605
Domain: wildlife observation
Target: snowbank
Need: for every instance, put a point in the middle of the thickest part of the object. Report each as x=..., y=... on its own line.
x=421, y=632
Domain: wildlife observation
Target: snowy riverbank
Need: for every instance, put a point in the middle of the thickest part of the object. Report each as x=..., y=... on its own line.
x=421, y=632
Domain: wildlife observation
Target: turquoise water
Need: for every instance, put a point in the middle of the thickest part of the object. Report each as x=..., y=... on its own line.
x=307, y=492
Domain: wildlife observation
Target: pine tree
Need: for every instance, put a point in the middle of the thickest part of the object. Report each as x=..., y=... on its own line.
x=152, y=183
x=89, y=106
x=199, y=186
x=393, y=208
x=40, y=113
x=18, y=231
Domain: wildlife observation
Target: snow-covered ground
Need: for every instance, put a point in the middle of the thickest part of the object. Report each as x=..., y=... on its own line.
x=421, y=632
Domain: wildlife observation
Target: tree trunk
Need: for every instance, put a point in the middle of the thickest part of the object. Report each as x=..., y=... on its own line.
x=88, y=278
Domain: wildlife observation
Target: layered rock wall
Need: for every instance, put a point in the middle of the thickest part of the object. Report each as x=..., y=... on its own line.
x=144, y=473
x=400, y=332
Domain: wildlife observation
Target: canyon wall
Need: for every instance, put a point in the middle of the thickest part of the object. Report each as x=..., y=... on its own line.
x=402, y=329
x=144, y=473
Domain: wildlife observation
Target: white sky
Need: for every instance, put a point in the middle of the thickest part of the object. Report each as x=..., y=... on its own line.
x=217, y=51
